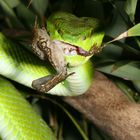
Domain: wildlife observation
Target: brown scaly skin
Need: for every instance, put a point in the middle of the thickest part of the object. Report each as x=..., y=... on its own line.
x=44, y=48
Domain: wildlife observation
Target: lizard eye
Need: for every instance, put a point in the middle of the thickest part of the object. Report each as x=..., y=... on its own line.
x=43, y=44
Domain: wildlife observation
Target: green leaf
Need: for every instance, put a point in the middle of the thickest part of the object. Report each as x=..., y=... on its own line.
x=75, y=123
x=85, y=137
x=134, y=31
x=137, y=85
x=130, y=8
x=12, y=3
x=40, y=6
x=128, y=48
x=98, y=135
x=126, y=89
x=118, y=65
x=128, y=70
x=10, y=13
x=26, y=15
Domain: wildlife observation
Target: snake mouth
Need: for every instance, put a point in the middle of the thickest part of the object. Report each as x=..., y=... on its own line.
x=72, y=50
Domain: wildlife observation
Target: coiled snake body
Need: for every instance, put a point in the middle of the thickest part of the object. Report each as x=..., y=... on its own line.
x=18, y=121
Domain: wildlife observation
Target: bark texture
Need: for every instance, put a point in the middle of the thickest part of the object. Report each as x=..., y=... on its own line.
x=108, y=108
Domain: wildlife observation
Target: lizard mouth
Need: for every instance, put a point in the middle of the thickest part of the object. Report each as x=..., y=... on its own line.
x=69, y=49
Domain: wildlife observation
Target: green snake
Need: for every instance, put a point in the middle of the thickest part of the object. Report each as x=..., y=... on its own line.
x=77, y=39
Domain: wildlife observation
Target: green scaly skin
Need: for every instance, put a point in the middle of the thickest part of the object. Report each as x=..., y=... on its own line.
x=18, y=121
x=23, y=67
x=83, y=32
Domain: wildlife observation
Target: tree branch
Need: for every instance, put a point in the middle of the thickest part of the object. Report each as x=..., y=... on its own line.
x=108, y=108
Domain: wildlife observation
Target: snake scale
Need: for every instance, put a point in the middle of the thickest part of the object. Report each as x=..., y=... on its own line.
x=23, y=67
x=18, y=121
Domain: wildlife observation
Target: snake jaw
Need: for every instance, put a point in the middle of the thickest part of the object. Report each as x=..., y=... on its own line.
x=71, y=50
